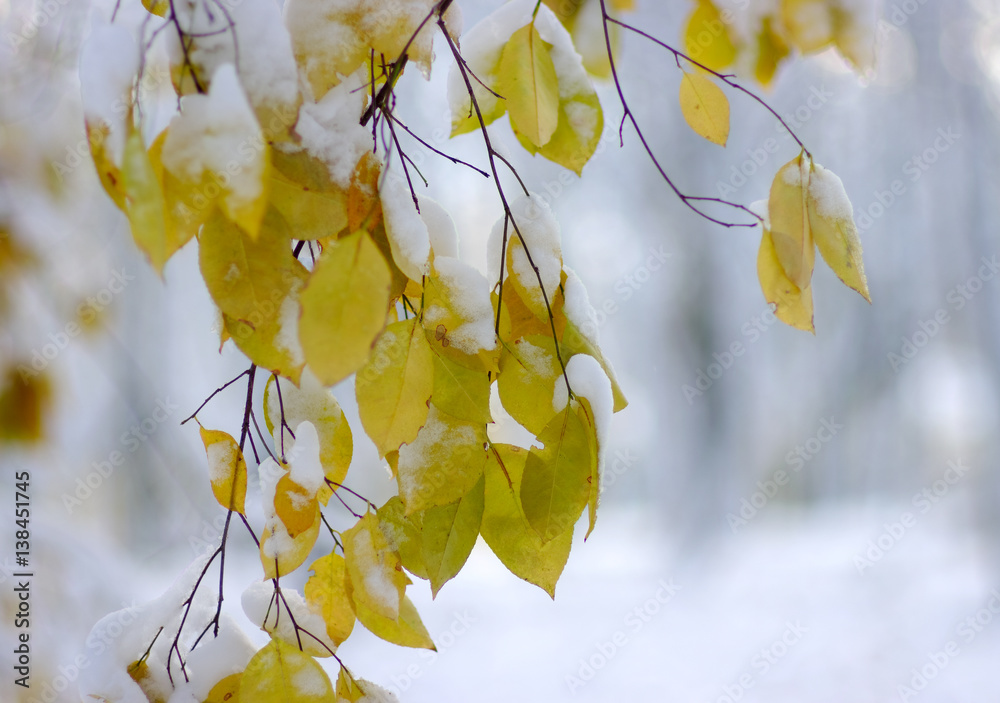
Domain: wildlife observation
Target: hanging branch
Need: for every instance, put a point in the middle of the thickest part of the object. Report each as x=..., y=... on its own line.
x=688, y=200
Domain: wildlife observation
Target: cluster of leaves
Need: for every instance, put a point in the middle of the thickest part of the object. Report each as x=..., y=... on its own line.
x=770, y=32
x=324, y=266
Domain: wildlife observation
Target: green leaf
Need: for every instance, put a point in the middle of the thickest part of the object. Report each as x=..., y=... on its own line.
x=403, y=533
x=461, y=392
x=394, y=386
x=506, y=530
x=556, y=484
x=527, y=79
x=344, y=307
x=449, y=534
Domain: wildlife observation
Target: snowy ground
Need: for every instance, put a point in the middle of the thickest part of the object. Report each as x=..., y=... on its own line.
x=777, y=613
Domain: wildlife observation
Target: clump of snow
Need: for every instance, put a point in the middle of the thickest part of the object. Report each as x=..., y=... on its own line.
x=377, y=583
x=540, y=230
x=578, y=309
x=287, y=338
x=375, y=693
x=109, y=62
x=221, y=459
x=261, y=47
x=212, y=135
x=407, y=232
x=271, y=615
x=761, y=208
x=468, y=296
x=827, y=191
x=214, y=659
x=330, y=129
x=440, y=228
x=307, y=471
x=794, y=173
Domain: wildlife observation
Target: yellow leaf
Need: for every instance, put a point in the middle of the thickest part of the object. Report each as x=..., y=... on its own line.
x=556, y=484
x=854, y=41
x=771, y=50
x=808, y=22
x=347, y=687
x=581, y=124
x=280, y=673
x=25, y=401
x=186, y=208
x=529, y=371
x=507, y=532
x=326, y=592
x=156, y=7
x=144, y=204
x=449, y=534
x=407, y=630
x=705, y=107
x=296, y=507
x=374, y=568
x=227, y=690
x=789, y=216
x=590, y=422
x=310, y=401
x=461, y=392
x=139, y=672
x=831, y=219
x=108, y=173
x=442, y=464
x=448, y=315
x=364, y=210
x=527, y=79
x=403, y=533
x=344, y=306
x=706, y=37
x=311, y=214
x=281, y=554
x=226, y=469
x=394, y=386
x=793, y=306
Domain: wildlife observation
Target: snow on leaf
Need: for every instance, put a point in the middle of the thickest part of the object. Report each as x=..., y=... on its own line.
x=344, y=306
x=394, y=386
x=281, y=673
x=403, y=533
x=326, y=593
x=442, y=464
x=507, y=532
x=705, y=107
x=529, y=372
x=226, y=469
x=295, y=506
x=831, y=219
x=310, y=402
x=287, y=616
x=556, y=484
x=406, y=630
x=527, y=79
x=449, y=534
x=374, y=568
x=144, y=201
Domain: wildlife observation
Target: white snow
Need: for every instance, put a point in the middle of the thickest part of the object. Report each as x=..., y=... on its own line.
x=540, y=230
x=440, y=228
x=287, y=338
x=262, y=46
x=218, y=133
x=214, y=659
x=483, y=46
x=271, y=615
x=409, y=239
x=761, y=208
x=109, y=62
x=827, y=190
x=588, y=380
x=793, y=173
x=578, y=309
x=378, y=585
x=435, y=443
x=221, y=458
x=307, y=471
x=468, y=294
x=331, y=132
x=375, y=693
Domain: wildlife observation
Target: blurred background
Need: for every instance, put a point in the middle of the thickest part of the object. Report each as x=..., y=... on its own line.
x=812, y=519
